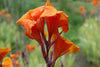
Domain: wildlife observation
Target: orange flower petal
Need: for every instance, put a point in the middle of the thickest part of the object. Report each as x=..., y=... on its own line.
x=14, y=56
x=48, y=3
x=3, y=52
x=32, y=27
x=49, y=10
x=62, y=21
x=30, y=47
x=63, y=46
x=7, y=62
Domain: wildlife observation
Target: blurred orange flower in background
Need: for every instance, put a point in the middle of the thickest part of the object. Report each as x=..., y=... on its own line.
x=95, y=2
x=3, y=52
x=2, y=12
x=82, y=9
x=92, y=11
x=30, y=48
x=16, y=63
x=15, y=56
x=7, y=62
x=8, y=16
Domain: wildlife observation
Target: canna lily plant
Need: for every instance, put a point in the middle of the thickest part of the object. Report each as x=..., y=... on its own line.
x=2, y=12
x=34, y=22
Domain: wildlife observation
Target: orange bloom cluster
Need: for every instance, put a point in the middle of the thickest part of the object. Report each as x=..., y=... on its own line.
x=95, y=2
x=30, y=48
x=3, y=52
x=34, y=21
x=16, y=63
x=8, y=16
x=82, y=9
x=2, y=12
x=14, y=57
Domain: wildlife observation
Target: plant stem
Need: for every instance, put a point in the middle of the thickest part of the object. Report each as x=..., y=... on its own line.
x=61, y=63
x=65, y=61
x=53, y=63
x=56, y=38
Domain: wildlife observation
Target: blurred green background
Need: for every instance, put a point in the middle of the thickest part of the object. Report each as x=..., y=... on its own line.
x=83, y=32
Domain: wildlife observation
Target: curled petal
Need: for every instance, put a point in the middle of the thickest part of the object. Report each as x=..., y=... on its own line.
x=63, y=46
x=25, y=17
x=33, y=26
x=36, y=13
x=63, y=21
x=49, y=11
x=3, y=52
x=60, y=19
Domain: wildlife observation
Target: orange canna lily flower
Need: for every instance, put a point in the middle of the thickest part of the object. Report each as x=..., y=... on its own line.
x=8, y=16
x=14, y=56
x=82, y=9
x=7, y=62
x=63, y=46
x=2, y=12
x=30, y=48
x=3, y=52
x=33, y=21
x=16, y=63
x=94, y=2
